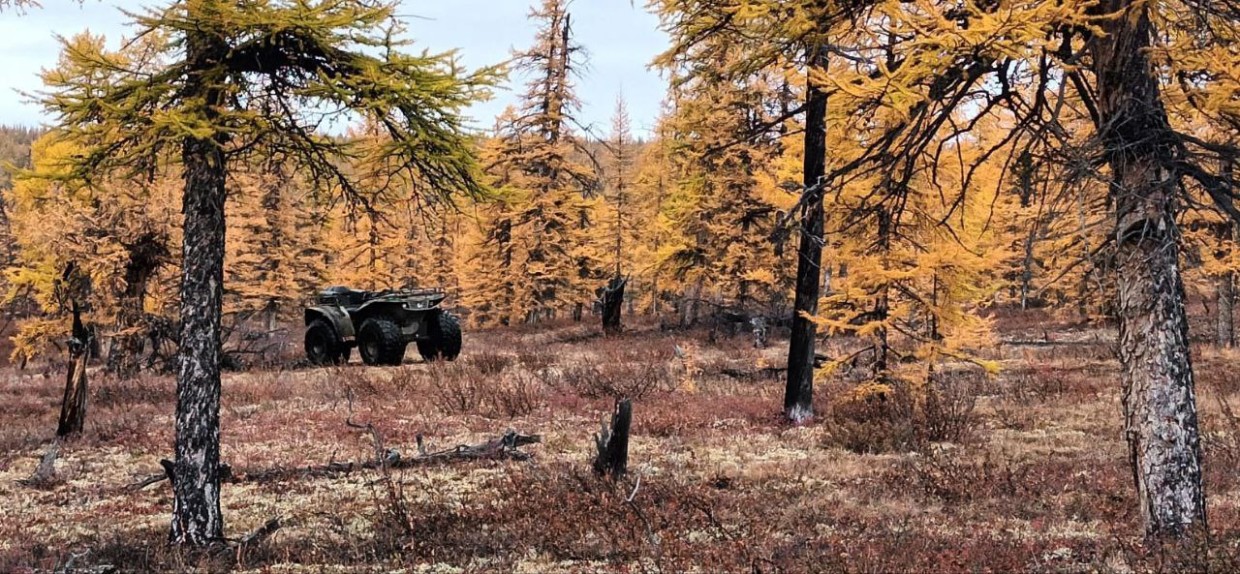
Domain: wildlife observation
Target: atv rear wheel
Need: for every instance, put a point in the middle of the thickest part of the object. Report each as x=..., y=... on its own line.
x=380, y=342
x=323, y=347
x=443, y=338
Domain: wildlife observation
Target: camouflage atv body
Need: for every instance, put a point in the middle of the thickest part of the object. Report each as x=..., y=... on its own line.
x=381, y=324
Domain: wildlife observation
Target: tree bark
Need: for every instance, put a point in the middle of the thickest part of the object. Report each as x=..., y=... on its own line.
x=799, y=393
x=197, y=518
x=1225, y=288
x=1160, y=411
x=73, y=406
x=613, y=442
x=1225, y=326
x=1026, y=271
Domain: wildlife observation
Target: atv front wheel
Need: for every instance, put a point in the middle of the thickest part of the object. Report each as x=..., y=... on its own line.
x=380, y=342
x=443, y=338
x=323, y=347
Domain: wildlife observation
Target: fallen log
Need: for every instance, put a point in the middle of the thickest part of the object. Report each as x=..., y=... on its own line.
x=506, y=447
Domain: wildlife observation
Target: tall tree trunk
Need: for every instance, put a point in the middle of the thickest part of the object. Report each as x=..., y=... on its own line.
x=1160, y=410
x=1229, y=234
x=73, y=406
x=799, y=393
x=613, y=301
x=1026, y=271
x=1225, y=326
x=197, y=519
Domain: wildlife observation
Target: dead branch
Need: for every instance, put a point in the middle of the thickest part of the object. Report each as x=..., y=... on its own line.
x=44, y=474
x=1035, y=343
x=263, y=533
x=506, y=447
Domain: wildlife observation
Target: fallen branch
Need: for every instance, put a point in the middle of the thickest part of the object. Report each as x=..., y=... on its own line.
x=258, y=536
x=1015, y=343
x=506, y=447
x=141, y=484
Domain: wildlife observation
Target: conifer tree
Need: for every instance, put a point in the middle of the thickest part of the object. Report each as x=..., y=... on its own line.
x=650, y=189
x=781, y=35
x=1122, y=69
x=491, y=274
x=617, y=218
x=274, y=256
x=182, y=100
x=542, y=227
x=117, y=239
x=721, y=222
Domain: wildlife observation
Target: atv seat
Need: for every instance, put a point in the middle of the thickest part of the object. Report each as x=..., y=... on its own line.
x=343, y=296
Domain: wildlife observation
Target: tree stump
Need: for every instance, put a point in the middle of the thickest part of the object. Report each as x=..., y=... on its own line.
x=757, y=325
x=73, y=406
x=613, y=304
x=613, y=442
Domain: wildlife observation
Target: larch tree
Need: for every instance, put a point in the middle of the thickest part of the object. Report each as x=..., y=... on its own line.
x=718, y=251
x=223, y=80
x=1138, y=70
x=774, y=34
x=490, y=269
x=914, y=285
x=616, y=221
x=274, y=254
x=651, y=183
x=1140, y=149
x=542, y=227
x=114, y=237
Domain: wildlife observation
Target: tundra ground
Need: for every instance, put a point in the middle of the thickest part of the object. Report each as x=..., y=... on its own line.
x=1034, y=478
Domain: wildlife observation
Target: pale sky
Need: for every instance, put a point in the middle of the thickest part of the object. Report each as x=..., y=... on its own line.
x=619, y=36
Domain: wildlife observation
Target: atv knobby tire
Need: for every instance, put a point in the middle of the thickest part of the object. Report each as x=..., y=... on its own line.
x=380, y=342
x=323, y=346
x=443, y=338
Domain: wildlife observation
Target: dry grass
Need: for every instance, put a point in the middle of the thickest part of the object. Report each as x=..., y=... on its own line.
x=1032, y=477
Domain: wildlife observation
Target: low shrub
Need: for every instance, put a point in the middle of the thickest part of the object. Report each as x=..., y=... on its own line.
x=899, y=416
x=516, y=394
x=455, y=388
x=616, y=380
x=490, y=364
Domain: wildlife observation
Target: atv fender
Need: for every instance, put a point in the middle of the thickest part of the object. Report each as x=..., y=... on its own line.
x=337, y=318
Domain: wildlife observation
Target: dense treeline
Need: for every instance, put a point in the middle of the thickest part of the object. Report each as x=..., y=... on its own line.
x=694, y=215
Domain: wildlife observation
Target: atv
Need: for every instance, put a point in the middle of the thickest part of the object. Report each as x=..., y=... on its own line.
x=381, y=324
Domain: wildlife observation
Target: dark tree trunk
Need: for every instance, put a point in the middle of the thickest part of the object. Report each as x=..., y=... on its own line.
x=1225, y=289
x=197, y=519
x=73, y=406
x=1026, y=272
x=145, y=256
x=1225, y=326
x=613, y=442
x=1160, y=410
x=689, y=304
x=613, y=303
x=799, y=394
